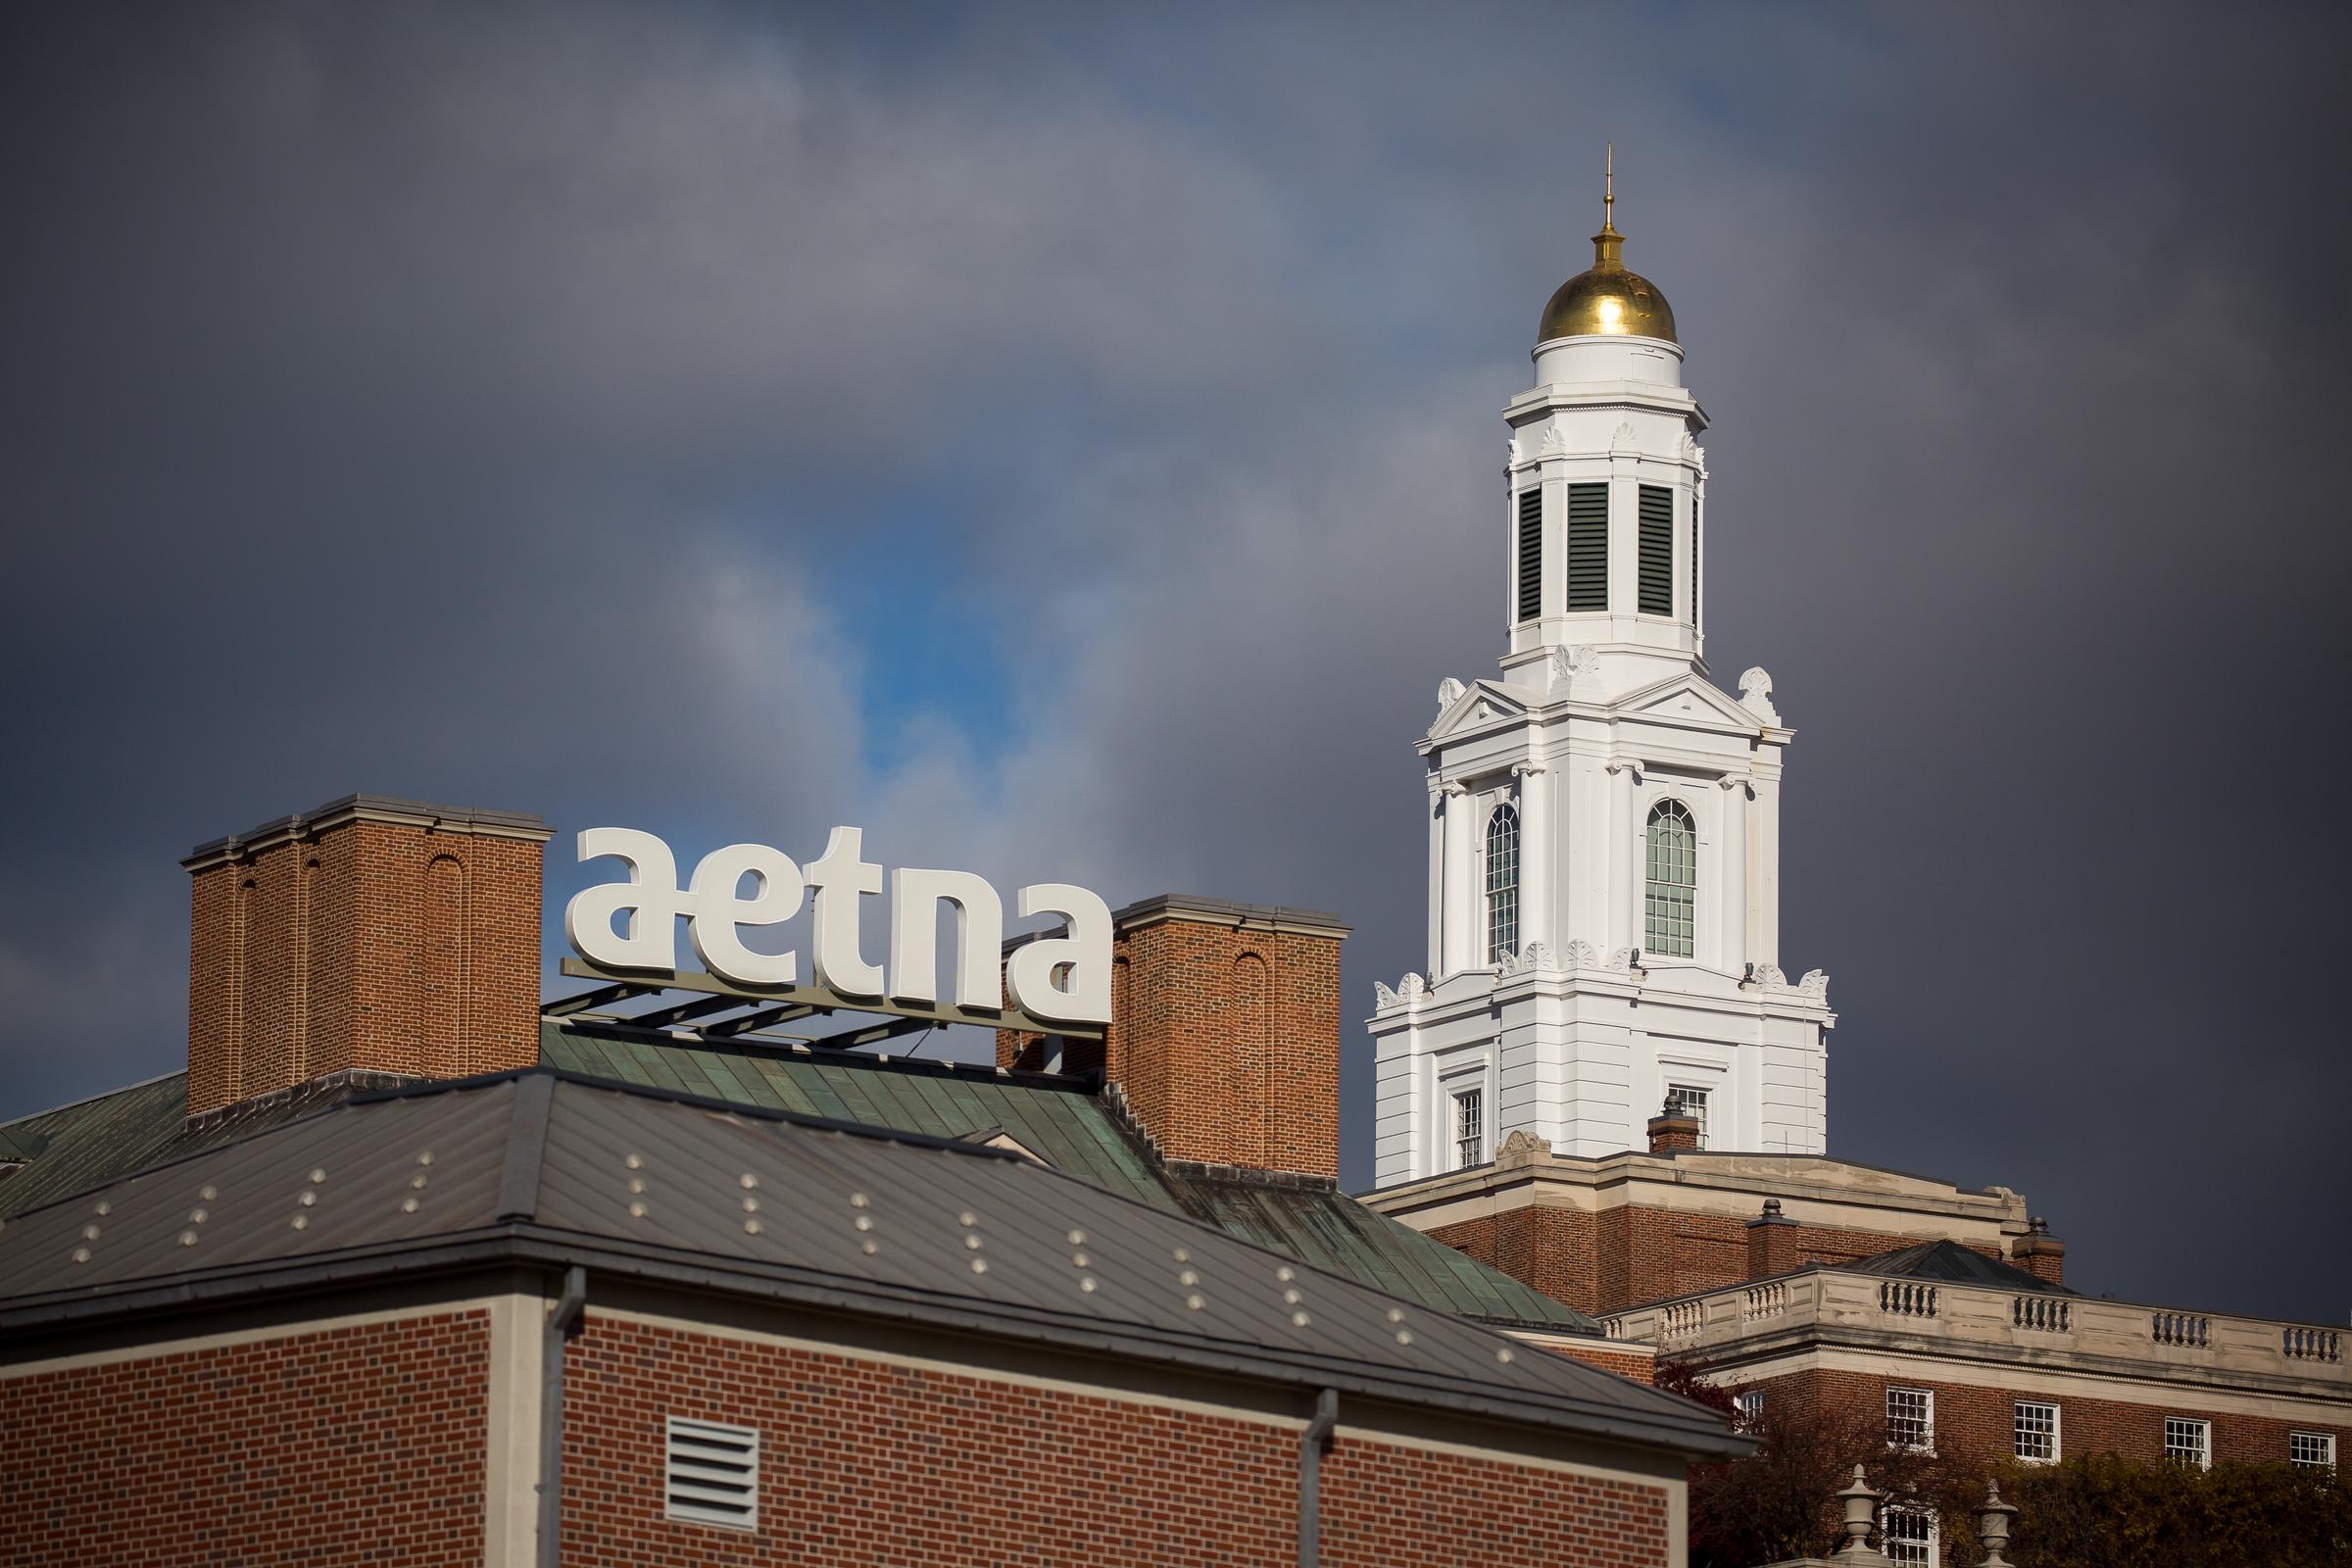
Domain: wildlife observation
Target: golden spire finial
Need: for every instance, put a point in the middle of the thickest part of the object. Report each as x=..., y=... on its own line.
x=1608, y=243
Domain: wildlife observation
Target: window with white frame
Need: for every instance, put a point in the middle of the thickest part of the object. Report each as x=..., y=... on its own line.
x=1684, y=1101
x=711, y=1473
x=2188, y=1442
x=1908, y=1536
x=1503, y=883
x=1911, y=1419
x=1669, y=885
x=2313, y=1450
x=1469, y=1128
x=2037, y=1425
x=1751, y=1407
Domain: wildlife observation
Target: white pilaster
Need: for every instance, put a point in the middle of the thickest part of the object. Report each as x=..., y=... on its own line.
x=1534, y=856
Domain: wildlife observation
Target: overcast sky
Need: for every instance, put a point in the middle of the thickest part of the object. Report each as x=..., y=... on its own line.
x=1065, y=442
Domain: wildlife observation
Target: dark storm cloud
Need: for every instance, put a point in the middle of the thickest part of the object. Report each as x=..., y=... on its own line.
x=500, y=404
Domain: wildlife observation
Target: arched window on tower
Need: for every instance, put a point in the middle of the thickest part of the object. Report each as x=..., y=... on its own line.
x=1670, y=882
x=1503, y=883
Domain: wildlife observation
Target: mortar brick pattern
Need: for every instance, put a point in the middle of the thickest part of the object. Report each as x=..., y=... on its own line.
x=1625, y=1256
x=1976, y=1423
x=875, y=1463
x=1224, y=1042
x=370, y=944
x=364, y=1443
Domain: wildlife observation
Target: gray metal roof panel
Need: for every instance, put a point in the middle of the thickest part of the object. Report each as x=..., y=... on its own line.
x=1951, y=1263
x=697, y=1164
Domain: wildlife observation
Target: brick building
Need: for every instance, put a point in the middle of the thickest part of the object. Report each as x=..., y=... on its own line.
x=409, y=1267
x=1812, y=1281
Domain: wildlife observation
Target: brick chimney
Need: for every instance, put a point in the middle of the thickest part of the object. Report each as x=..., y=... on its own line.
x=1224, y=1041
x=1772, y=1242
x=2039, y=1253
x=1672, y=1131
x=370, y=934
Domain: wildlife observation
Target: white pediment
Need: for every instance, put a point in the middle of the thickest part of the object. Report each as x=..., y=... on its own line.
x=1687, y=699
x=1481, y=702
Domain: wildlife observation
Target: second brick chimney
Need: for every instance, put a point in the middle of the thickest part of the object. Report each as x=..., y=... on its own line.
x=1672, y=1131
x=1224, y=1041
x=2039, y=1253
x=370, y=934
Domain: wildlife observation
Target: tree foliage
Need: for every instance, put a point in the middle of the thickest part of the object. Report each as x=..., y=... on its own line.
x=2091, y=1511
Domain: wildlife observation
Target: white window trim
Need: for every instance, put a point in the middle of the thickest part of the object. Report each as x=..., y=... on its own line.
x=1477, y=1092
x=2057, y=1431
x=2327, y=1441
x=1934, y=1541
x=2205, y=1440
x=1929, y=1417
x=1706, y=1105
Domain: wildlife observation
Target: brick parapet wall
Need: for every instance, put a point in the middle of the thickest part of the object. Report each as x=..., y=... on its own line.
x=880, y=1463
x=356, y=1444
x=1976, y=1423
x=1622, y=1256
x=1224, y=1042
x=373, y=946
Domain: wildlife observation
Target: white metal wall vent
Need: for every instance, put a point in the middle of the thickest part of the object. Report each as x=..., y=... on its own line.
x=712, y=1473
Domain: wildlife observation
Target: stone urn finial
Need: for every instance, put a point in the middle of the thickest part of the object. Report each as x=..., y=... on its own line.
x=1992, y=1525
x=1861, y=1500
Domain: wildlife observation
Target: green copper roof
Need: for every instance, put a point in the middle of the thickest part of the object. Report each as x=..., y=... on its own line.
x=1070, y=1125
x=1068, y=1122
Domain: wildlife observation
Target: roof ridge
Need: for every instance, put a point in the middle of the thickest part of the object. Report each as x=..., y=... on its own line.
x=91, y=1099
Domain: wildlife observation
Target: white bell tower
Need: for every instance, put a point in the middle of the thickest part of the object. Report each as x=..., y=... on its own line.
x=1603, y=821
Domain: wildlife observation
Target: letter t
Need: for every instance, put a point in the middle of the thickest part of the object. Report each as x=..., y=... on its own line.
x=838, y=877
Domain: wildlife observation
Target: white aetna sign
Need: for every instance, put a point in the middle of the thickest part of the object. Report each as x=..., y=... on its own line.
x=1064, y=978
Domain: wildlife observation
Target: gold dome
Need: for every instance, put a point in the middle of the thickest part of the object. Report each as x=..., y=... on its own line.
x=1607, y=301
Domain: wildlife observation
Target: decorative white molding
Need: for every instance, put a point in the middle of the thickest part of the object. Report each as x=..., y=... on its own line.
x=1450, y=691
x=1383, y=999
x=1527, y=960
x=1566, y=666
x=1581, y=955
x=1755, y=693
x=1412, y=988
x=1768, y=977
x=1523, y=1148
x=1689, y=448
x=1511, y=453
x=1815, y=987
x=1627, y=765
x=1622, y=959
x=1523, y=769
x=1555, y=443
x=1625, y=439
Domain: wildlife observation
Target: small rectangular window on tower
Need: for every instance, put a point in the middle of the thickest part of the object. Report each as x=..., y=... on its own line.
x=1469, y=1129
x=1531, y=554
x=1683, y=1100
x=1587, y=546
x=1657, y=550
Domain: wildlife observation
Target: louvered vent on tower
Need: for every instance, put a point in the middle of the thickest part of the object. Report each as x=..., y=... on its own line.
x=712, y=1473
x=1587, y=546
x=1657, y=550
x=1531, y=554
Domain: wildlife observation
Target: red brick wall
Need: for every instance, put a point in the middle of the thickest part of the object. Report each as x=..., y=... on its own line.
x=1638, y=1365
x=1224, y=1042
x=872, y=1463
x=352, y=1444
x=1624, y=1256
x=372, y=945
x=1977, y=1423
